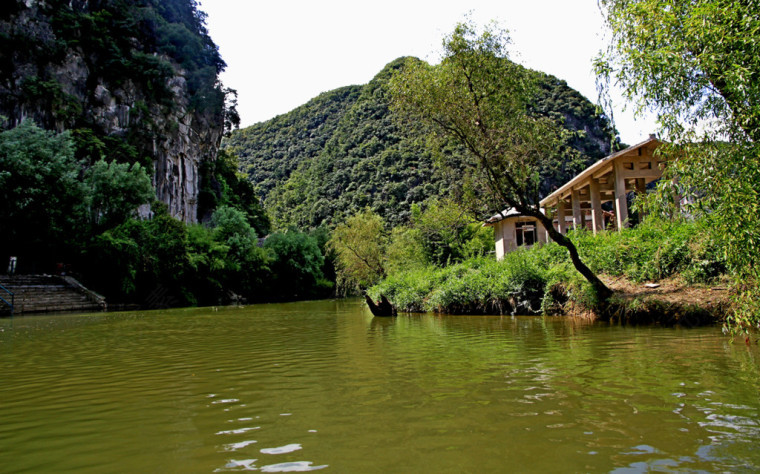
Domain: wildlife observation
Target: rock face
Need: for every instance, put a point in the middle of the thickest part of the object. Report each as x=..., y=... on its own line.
x=180, y=141
x=142, y=112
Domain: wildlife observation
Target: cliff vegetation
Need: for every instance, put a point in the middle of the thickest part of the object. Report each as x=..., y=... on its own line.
x=134, y=82
x=111, y=115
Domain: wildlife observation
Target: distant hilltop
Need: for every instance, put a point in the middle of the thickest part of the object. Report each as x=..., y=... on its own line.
x=344, y=150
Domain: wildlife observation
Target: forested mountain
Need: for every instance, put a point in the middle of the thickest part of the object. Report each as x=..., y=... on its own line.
x=274, y=149
x=345, y=150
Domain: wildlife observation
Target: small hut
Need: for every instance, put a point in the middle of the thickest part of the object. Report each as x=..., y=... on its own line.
x=513, y=229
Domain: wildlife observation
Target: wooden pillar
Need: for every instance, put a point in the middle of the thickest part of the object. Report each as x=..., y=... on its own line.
x=575, y=199
x=510, y=236
x=583, y=219
x=561, y=222
x=621, y=199
x=597, y=220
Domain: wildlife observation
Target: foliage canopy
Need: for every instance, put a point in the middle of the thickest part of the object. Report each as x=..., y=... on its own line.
x=359, y=245
x=49, y=202
x=697, y=65
x=40, y=190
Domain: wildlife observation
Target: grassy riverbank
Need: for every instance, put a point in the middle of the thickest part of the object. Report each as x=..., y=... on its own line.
x=677, y=256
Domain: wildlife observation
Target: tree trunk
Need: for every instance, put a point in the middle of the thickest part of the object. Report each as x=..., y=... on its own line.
x=603, y=292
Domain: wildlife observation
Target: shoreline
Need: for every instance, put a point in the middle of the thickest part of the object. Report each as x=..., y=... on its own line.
x=668, y=302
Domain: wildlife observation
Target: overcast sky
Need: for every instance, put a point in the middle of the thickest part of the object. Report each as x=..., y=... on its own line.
x=282, y=53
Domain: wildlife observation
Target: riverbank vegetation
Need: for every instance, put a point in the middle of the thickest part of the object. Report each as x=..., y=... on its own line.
x=541, y=279
x=695, y=64
x=367, y=249
x=385, y=185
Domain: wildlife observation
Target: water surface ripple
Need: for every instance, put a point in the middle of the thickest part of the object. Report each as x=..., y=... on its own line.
x=324, y=386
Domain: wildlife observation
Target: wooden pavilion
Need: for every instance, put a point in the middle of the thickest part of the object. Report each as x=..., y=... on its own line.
x=578, y=203
x=608, y=180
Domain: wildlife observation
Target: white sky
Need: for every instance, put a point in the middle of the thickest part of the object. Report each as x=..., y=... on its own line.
x=282, y=53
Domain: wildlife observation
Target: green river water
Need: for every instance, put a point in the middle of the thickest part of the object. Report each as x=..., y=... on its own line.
x=324, y=386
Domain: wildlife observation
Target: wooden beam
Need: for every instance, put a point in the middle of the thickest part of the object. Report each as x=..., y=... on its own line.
x=636, y=153
x=561, y=222
x=641, y=186
x=608, y=186
x=650, y=173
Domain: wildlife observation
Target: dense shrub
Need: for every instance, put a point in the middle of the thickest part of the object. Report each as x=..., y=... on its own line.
x=479, y=285
x=138, y=260
x=296, y=267
x=652, y=251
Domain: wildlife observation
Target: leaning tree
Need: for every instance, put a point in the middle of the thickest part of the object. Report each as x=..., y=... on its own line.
x=480, y=99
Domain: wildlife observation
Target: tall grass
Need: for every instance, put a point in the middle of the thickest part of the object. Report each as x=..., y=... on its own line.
x=655, y=250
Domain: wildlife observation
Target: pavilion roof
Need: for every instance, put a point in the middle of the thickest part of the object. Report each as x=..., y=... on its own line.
x=593, y=169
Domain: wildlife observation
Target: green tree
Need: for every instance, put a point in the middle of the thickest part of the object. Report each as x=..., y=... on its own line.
x=696, y=63
x=449, y=233
x=223, y=185
x=296, y=266
x=165, y=252
x=359, y=245
x=231, y=226
x=114, y=191
x=246, y=262
x=118, y=252
x=40, y=193
x=481, y=99
x=207, y=265
x=406, y=250
x=142, y=260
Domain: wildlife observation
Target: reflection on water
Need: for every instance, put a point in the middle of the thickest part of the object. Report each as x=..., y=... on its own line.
x=324, y=386
x=282, y=449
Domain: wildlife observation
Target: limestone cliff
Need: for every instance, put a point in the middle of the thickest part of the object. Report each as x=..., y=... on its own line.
x=134, y=81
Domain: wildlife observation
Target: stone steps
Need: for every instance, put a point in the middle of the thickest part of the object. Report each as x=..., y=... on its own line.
x=48, y=293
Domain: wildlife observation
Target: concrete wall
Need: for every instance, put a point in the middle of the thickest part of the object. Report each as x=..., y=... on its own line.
x=505, y=234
